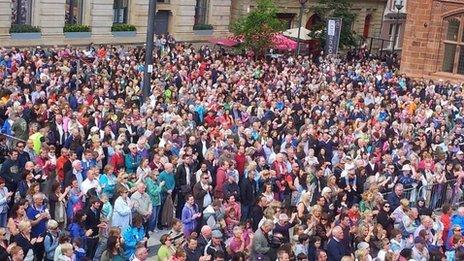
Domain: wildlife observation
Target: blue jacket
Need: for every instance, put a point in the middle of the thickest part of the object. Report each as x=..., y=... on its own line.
x=457, y=220
x=132, y=236
x=335, y=250
x=50, y=244
x=76, y=231
x=6, y=128
x=132, y=162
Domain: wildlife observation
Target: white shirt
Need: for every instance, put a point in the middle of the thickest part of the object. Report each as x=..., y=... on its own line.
x=187, y=172
x=87, y=184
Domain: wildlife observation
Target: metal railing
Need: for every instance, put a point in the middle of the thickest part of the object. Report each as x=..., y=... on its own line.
x=11, y=140
x=378, y=46
x=434, y=195
x=438, y=194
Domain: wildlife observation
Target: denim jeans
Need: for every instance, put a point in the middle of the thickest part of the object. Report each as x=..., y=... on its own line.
x=3, y=219
x=154, y=218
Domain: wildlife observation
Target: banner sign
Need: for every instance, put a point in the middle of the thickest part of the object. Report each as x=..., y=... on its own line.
x=334, y=27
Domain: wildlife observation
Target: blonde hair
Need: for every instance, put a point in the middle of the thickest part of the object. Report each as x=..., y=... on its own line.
x=316, y=208
x=52, y=224
x=66, y=247
x=23, y=224
x=306, y=197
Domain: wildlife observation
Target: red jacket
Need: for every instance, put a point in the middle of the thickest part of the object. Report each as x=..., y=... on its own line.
x=240, y=161
x=60, y=167
x=220, y=178
x=117, y=161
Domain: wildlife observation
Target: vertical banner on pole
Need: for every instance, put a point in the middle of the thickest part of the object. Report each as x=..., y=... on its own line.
x=334, y=27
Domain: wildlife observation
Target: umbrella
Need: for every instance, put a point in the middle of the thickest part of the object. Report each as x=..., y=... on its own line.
x=293, y=33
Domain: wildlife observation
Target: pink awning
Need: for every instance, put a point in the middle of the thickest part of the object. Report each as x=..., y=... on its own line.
x=280, y=42
x=224, y=42
x=283, y=43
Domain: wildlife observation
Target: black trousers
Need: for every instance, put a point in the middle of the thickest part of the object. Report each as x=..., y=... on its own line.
x=92, y=244
x=180, y=205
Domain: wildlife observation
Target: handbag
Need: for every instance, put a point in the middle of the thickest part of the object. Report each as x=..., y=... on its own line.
x=60, y=212
x=167, y=214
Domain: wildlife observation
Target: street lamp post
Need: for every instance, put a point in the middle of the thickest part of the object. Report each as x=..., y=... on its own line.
x=148, y=68
x=398, y=6
x=302, y=4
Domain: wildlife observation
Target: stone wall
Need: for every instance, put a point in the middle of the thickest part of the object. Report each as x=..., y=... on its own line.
x=375, y=8
x=101, y=17
x=5, y=17
x=49, y=15
x=422, y=53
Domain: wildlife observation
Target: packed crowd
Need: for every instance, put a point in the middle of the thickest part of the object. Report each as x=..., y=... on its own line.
x=230, y=158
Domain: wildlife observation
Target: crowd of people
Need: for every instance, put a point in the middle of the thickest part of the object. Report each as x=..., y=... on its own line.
x=232, y=157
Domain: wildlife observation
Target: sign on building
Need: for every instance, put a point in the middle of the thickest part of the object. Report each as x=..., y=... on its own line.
x=334, y=27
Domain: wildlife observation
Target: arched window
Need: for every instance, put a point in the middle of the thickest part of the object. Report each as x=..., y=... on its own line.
x=73, y=11
x=453, y=45
x=314, y=20
x=367, y=25
x=21, y=11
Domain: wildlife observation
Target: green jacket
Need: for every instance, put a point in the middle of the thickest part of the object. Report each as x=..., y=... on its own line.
x=154, y=191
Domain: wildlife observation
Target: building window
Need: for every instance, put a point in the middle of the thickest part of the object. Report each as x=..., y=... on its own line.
x=367, y=25
x=120, y=8
x=453, y=45
x=201, y=12
x=21, y=11
x=453, y=30
x=73, y=12
x=313, y=22
x=392, y=32
x=448, y=58
x=286, y=19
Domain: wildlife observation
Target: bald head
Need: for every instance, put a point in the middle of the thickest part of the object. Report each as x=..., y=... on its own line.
x=141, y=187
x=76, y=164
x=206, y=231
x=337, y=233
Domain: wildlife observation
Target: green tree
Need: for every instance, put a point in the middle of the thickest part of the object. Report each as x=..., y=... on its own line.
x=326, y=9
x=258, y=27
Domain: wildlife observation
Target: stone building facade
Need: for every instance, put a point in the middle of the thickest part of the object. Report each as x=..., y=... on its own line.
x=174, y=16
x=368, y=21
x=394, y=23
x=433, y=44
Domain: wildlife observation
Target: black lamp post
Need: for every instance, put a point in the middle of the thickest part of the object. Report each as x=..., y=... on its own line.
x=302, y=4
x=148, y=67
x=398, y=5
